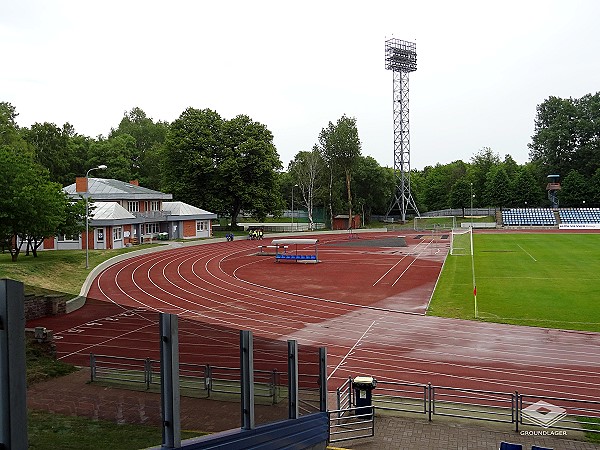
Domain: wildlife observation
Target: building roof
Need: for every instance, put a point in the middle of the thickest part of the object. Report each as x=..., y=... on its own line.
x=105, y=189
x=184, y=210
x=109, y=211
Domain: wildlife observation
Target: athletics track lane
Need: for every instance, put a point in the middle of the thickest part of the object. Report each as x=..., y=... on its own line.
x=217, y=289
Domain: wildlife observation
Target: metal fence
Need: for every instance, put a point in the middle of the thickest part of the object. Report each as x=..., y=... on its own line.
x=426, y=400
x=194, y=379
x=503, y=407
x=344, y=424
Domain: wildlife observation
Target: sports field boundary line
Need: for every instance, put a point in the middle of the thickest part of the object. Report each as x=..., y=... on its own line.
x=351, y=350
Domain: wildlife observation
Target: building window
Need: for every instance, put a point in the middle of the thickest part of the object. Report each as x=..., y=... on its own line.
x=200, y=225
x=154, y=205
x=68, y=238
x=151, y=228
x=117, y=234
x=133, y=206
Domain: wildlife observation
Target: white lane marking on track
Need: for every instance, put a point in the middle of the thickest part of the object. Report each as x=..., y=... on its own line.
x=351, y=351
x=137, y=330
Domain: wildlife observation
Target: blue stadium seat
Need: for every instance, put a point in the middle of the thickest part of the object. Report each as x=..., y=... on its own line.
x=509, y=446
x=535, y=447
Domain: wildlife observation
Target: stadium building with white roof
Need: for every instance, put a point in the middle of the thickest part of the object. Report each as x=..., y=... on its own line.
x=123, y=214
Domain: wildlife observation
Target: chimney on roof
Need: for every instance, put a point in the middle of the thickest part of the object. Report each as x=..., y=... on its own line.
x=81, y=184
x=135, y=182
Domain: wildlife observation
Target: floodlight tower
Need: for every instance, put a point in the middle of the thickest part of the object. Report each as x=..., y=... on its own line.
x=401, y=58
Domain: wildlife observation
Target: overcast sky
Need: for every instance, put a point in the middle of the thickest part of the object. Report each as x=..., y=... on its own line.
x=483, y=66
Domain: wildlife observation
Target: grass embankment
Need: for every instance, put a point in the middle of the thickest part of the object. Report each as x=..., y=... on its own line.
x=544, y=280
x=57, y=270
x=51, y=431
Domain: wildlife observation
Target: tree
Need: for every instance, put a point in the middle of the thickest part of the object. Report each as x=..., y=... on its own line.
x=595, y=188
x=567, y=135
x=306, y=169
x=9, y=130
x=341, y=147
x=460, y=194
x=497, y=187
x=525, y=189
x=373, y=186
x=223, y=166
x=31, y=207
x=149, y=140
x=248, y=169
x=191, y=158
x=574, y=190
x=117, y=153
x=438, y=183
x=50, y=145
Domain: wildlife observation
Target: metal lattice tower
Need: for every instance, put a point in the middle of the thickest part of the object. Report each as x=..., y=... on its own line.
x=401, y=58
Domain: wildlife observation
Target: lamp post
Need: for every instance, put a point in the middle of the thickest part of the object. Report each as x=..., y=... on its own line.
x=294, y=186
x=87, y=213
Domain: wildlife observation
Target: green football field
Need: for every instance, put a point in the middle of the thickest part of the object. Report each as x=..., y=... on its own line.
x=545, y=280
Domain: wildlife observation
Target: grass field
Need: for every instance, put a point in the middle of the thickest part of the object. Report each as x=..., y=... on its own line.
x=545, y=280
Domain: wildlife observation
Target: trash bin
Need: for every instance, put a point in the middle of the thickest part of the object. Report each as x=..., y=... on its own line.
x=363, y=387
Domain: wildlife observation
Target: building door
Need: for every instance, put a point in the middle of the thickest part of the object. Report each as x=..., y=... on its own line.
x=100, y=240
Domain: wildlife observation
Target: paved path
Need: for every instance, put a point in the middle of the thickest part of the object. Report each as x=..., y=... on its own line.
x=393, y=433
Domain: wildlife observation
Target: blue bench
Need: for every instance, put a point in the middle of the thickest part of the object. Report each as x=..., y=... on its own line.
x=295, y=257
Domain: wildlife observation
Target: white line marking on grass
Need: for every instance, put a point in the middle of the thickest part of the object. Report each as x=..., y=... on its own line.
x=527, y=253
x=351, y=351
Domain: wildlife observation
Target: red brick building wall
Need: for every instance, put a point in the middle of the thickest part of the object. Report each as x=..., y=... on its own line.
x=189, y=228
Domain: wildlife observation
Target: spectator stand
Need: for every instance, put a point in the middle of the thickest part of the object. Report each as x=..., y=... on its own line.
x=298, y=250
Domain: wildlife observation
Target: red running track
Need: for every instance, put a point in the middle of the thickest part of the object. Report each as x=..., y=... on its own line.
x=364, y=301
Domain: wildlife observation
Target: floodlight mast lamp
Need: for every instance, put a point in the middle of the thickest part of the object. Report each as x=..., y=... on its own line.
x=401, y=58
x=87, y=213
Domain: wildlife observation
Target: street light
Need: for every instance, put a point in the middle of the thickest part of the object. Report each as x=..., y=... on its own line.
x=87, y=213
x=293, y=205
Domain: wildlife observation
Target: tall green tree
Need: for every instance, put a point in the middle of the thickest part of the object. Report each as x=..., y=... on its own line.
x=438, y=183
x=567, y=135
x=525, y=189
x=50, y=145
x=192, y=156
x=460, y=194
x=117, y=154
x=497, y=187
x=481, y=164
x=341, y=147
x=248, y=169
x=595, y=189
x=575, y=190
x=373, y=186
x=306, y=170
x=31, y=207
x=222, y=166
x=149, y=140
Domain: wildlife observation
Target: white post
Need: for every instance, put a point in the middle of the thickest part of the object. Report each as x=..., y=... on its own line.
x=293, y=208
x=87, y=193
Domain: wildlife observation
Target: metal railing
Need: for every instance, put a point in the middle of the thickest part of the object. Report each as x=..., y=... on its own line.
x=345, y=425
x=492, y=406
x=196, y=379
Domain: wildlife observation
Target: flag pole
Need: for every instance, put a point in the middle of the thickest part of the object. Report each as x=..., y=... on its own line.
x=473, y=271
